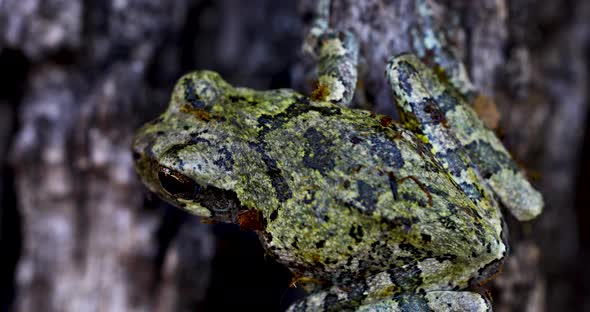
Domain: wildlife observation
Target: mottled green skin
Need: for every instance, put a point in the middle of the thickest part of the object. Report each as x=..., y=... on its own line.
x=457, y=136
x=329, y=184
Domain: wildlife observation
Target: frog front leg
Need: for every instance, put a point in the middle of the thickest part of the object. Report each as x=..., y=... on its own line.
x=435, y=108
x=337, y=54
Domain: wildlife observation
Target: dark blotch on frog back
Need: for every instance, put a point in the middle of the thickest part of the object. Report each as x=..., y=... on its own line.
x=278, y=181
x=300, y=106
x=386, y=150
x=356, y=232
x=225, y=159
x=367, y=196
x=317, y=154
x=242, y=99
x=403, y=223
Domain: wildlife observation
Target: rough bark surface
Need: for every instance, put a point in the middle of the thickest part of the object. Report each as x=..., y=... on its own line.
x=79, y=233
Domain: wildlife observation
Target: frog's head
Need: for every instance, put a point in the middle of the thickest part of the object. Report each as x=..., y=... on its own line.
x=186, y=154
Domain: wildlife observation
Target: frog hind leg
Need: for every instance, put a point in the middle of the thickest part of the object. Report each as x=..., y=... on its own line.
x=337, y=56
x=431, y=301
x=485, y=151
x=420, y=113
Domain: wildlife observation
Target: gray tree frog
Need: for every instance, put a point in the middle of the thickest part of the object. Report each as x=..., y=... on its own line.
x=368, y=214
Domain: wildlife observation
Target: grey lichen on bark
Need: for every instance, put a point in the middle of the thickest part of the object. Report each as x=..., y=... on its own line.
x=88, y=242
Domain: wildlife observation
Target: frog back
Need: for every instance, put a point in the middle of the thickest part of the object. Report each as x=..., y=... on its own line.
x=365, y=196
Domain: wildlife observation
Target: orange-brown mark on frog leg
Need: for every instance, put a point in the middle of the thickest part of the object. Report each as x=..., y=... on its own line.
x=320, y=92
x=436, y=115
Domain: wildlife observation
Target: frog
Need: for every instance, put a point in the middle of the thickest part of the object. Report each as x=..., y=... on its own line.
x=368, y=214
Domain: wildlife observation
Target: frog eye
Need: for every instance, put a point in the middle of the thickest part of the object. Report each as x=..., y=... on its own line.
x=177, y=184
